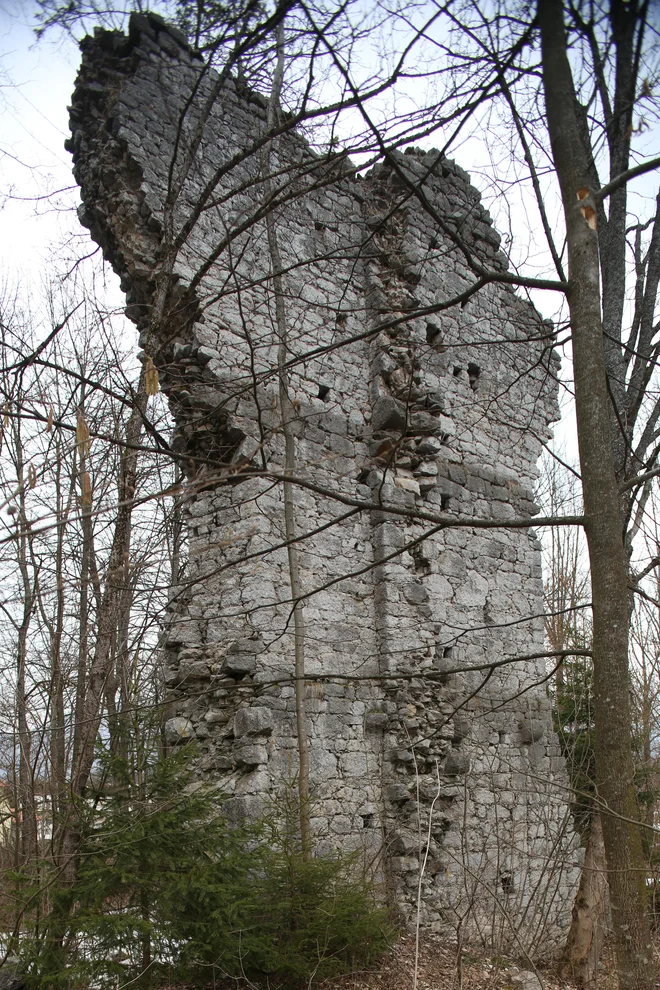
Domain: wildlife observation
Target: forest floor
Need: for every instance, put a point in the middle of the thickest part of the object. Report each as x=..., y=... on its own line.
x=438, y=969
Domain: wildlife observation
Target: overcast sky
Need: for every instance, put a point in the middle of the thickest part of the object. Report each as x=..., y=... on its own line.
x=40, y=234
x=36, y=82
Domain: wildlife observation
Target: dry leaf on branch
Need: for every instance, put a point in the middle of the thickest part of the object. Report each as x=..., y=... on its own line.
x=83, y=438
x=151, y=377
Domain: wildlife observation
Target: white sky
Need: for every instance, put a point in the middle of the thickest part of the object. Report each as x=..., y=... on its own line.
x=36, y=83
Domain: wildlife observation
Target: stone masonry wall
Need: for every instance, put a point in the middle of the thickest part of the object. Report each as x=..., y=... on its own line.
x=442, y=414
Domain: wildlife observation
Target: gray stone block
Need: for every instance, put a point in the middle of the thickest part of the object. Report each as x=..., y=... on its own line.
x=239, y=662
x=178, y=730
x=415, y=593
x=430, y=447
x=10, y=977
x=397, y=793
x=404, y=845
x=376, y=721
x=461, y=727
x=215, y=716
x=457, y=763
x=241, y=808
x=404, y=864
x=195, y=670
x=531, y=730
x=251, y=756
x=253, y=722
x=388, y=414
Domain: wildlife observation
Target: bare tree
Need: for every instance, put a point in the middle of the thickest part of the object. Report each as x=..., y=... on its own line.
x=78, y=579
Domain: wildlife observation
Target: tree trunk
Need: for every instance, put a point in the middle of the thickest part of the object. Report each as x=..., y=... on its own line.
x=108, y=616
x=27, y=818
x=287, y=412
x=55, y=627
x=90, y=697
x=603, y=527
x=589, y=923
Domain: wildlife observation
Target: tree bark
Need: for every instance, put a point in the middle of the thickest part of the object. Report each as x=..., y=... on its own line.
x=603, y=526
x=90, y=697
x=287, y=412
x=589, y=922
x=100, y=669
x=28, y=818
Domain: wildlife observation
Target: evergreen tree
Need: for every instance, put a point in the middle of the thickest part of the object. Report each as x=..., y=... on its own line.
x=167, y=888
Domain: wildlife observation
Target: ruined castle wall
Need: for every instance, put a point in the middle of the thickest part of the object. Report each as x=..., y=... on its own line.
x=443, y=413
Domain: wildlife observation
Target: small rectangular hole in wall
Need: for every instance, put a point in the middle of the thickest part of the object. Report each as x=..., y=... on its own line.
x=506, y=883
x=323, y=392
x=318, y=225
x=422, y=565
x=457, y=371
x=445, y=503
x=367, y=821
x=502, y=737
x=473, y=375
x=444, y=654
x=434, y=337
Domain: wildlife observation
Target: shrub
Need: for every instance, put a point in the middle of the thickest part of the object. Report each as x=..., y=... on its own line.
x=300, y=921
x=167, y=889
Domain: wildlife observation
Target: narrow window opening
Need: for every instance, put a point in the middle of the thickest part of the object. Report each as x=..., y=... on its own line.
x=323, y=392
x=502, y=736
x=445, y=503
x=367, y=821
x=434, y=337
x=444, y=654
x=457, y=371
x=506, y=883
x=433, y=243
x=473, y=375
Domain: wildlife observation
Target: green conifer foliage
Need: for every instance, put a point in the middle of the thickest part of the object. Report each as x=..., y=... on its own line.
x=167, y=889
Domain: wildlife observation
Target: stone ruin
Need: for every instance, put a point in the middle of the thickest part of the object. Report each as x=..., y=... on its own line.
x=406, y=419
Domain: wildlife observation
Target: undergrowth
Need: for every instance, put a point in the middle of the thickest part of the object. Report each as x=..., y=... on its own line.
x=166, y=889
